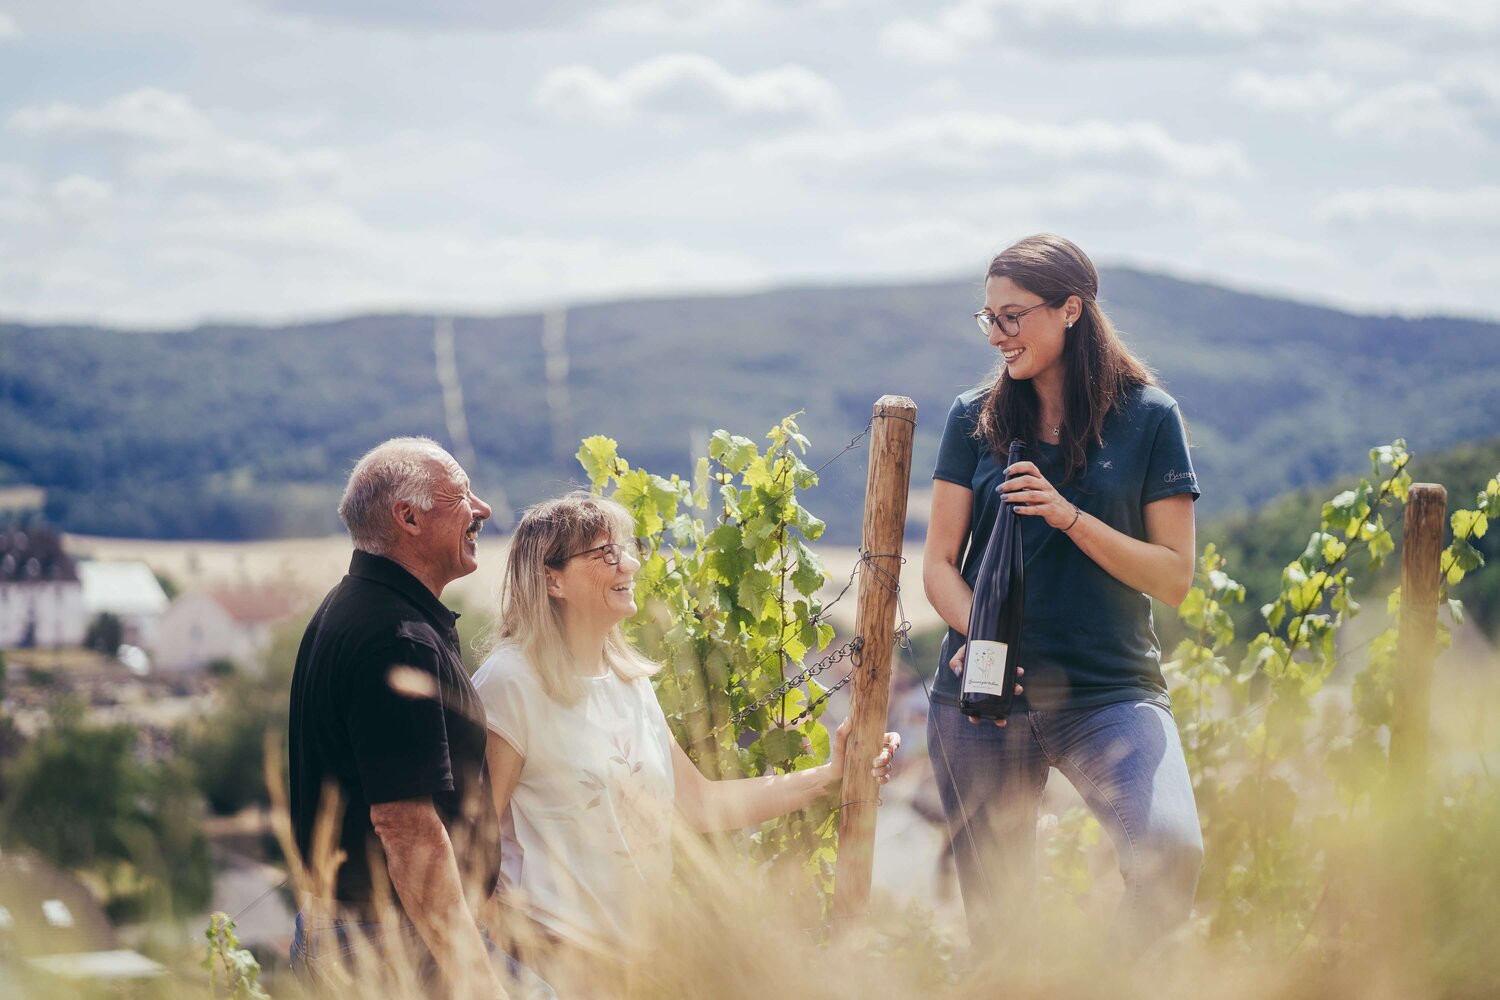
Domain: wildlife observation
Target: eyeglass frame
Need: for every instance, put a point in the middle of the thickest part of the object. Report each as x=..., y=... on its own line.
x=619, y=554
x=987, y=319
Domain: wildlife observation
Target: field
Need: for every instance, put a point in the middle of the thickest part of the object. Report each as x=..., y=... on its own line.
x=313, y=565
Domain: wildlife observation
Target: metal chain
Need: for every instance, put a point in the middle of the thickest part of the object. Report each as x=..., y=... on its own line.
x=850, y=650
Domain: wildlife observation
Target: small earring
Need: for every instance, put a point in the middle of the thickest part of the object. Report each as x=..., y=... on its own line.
x=1068, y=327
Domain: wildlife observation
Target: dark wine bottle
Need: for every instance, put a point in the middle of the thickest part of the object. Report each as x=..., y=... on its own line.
x=992, y=651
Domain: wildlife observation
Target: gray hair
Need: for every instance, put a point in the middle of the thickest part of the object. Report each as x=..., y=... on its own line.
x=392, y=471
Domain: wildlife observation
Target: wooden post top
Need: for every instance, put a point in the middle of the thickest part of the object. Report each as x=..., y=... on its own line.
x=895, y=405
x=1427, y=493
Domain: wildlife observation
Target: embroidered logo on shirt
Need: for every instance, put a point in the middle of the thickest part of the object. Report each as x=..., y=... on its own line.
x=1107, y=465
x=1177, y=477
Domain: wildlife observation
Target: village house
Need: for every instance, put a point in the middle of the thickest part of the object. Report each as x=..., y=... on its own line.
x=128, y=590
x=221, y=623
x=41, y=595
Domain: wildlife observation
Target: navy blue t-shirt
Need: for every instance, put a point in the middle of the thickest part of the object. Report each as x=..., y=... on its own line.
x=1086, y=638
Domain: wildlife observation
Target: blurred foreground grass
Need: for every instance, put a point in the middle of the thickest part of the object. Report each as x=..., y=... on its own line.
x=1408, y=906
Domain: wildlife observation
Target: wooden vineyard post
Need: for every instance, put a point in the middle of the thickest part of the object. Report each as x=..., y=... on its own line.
x=1406, y=883
x=1416, y=645
x=892, y=426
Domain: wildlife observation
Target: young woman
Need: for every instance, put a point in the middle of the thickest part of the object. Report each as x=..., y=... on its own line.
x=1107, y=501
x=585, y=773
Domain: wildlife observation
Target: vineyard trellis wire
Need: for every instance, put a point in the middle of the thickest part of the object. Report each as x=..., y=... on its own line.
x=730, y=601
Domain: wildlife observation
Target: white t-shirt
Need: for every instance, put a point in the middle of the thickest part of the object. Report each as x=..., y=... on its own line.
x=588, y=835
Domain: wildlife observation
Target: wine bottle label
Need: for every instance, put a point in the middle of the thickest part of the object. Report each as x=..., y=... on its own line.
x=984, y=667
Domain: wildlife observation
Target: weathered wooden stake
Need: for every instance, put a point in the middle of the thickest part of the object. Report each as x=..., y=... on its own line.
x=893, y=424
x=1416, y=646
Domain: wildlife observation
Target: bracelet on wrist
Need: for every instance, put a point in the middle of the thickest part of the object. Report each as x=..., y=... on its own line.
x=1077, y=513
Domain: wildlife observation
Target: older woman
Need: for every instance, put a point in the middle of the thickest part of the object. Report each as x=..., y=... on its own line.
x=585, y=773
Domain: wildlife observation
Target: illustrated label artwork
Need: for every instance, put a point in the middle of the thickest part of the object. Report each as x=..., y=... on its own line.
x=984, y=666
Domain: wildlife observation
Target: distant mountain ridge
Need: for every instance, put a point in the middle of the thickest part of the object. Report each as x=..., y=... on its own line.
x=230, y=431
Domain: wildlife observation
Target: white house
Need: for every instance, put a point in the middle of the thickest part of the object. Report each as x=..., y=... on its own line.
x=41, y=597
x=128, y=590
x=223, y=623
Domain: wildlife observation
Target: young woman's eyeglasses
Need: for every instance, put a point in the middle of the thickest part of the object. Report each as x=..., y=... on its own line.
x=610, y=552
x=1009, y=322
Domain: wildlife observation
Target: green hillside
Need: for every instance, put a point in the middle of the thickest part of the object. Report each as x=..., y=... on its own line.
x=242, y=432
x=1258, y=544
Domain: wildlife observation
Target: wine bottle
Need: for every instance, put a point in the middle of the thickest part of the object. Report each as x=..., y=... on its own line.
x=992, y=651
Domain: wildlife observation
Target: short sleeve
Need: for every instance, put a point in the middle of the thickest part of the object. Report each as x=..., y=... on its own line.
x=1169, y=470
x=394, y=717
x=652, y=706
x=504, y=690
x=958, y=452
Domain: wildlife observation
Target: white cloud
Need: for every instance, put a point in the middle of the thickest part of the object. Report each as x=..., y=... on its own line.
x=1424, y=206
x=15, y=180
x=1305, y=92
x=944, y=38
x=679, y=86
x=239, y=162
x=174, y=138
x=148, y=113
x=654, y=17
x=8, y=27
x=1376, y=56
x=17, y=189
x=447, y=15
x=698, y=18
x=1406, y=111
x=968, y=142
x=1476, y=88
x=970, y=24
x=338, y=158
x=79, y=194
x=953, y=234
x=213, y=258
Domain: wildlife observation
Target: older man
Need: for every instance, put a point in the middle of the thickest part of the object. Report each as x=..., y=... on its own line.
x=385, y=722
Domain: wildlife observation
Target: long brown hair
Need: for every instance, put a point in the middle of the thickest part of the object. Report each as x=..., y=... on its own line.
x=1098, y=368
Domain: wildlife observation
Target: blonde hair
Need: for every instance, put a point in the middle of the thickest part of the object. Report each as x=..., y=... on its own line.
x=530, y=620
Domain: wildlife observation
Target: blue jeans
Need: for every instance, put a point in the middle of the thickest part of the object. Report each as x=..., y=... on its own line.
x=317, y=945
x=1125, y=760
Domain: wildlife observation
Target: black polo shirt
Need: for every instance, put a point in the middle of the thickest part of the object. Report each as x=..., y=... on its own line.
x=383, y=710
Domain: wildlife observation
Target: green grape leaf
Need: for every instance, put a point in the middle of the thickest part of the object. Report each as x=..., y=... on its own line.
x=600, y=460
x=818, y=738
x=754, y=588
x=810, y=526
x=808, y=578
x=732, y=451
x=780, y=746
x=1469, y=523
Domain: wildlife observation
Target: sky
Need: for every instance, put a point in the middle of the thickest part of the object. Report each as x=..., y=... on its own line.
x=166, y=162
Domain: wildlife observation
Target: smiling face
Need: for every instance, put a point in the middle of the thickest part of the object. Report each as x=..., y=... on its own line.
x=591, y=590
x=1038, y=348
x=450, y=530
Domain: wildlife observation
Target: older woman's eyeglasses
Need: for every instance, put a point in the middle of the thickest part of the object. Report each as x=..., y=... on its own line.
x=1009, y=322
x=610, y=552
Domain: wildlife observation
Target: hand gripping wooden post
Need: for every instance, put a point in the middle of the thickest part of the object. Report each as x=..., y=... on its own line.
x=1416, y=644
x=892, y=426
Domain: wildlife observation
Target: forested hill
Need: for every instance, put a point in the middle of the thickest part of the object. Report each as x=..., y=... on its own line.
x=241, y=431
